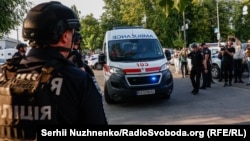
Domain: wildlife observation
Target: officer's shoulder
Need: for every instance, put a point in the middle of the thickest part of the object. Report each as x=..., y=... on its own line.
x=206, y=51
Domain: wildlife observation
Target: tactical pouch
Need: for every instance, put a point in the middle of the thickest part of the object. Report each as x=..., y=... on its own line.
x=25, y=100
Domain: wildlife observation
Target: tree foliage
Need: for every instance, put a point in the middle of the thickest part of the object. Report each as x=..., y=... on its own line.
x=91, y=32
x=163, y=16
x=12, y=14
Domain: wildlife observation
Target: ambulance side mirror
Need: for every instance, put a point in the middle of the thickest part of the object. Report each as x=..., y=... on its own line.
x=102, y=58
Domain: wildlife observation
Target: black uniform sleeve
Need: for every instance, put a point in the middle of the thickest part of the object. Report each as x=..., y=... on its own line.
x=88, y=69
x=17, y=54
x=93, y=110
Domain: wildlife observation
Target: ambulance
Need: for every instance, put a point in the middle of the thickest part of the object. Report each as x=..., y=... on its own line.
x=134, y=65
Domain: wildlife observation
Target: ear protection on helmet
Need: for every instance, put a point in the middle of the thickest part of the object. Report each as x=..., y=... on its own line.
x=57, y=31
x=77, y=37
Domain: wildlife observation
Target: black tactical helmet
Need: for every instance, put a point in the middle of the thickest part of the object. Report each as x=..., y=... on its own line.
x=46, y=22
x=18, y=46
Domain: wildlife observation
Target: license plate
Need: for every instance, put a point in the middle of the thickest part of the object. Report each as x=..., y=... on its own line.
x=146, y=92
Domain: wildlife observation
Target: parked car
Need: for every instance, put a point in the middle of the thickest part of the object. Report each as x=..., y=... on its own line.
x=93, y=62
x=216, y=62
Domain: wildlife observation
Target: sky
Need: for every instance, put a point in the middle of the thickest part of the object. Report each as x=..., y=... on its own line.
x=85, y=6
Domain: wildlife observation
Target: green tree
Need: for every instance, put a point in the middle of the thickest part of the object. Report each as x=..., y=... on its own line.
x=203, y=17
x=12, y=14
x=112, y=15
x=145, y=13
x=166, y=17
x=91, y=32
x=242, y=23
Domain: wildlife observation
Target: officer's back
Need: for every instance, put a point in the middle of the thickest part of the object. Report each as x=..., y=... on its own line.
x=46, y=88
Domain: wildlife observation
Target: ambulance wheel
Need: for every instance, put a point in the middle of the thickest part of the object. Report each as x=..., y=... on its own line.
x=107, y=98
x=166, y=96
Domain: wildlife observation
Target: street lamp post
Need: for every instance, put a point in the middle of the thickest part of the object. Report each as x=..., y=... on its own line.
x=184, y=28
x=218, y=21
x=17, y=35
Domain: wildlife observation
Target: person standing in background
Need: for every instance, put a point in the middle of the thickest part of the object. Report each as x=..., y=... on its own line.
x=227, y=54
x=76, y=56
x=247, y=53
x=21, y=50
x=237, y=61
x=206, y=71
x=221, y=63
x=183, y=61
x=195, y=75
x=176, y=61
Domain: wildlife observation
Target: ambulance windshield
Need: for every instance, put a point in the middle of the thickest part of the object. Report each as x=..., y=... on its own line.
x=135, y=50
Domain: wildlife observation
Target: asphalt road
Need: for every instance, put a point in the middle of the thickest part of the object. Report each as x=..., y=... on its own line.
x=217, y=105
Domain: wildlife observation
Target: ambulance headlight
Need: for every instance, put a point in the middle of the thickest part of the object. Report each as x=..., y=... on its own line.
x=116, y=70
x=164, y=67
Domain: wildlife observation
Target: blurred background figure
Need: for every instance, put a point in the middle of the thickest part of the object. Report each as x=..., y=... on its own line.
x=206, y=71
x=197, y=64
x=227, y=55
x=76, y=55
x=21, y=50
x=176, y=61
x=183, y=61
x=247, y=54
x=237, y=61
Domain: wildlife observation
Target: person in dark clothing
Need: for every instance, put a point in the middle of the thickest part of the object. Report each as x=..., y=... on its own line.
x=69, y=97
x=196, y=60
x=21, y=50
x=221, y=64
x=206, y=71
x=76, y=56
x=227, y=55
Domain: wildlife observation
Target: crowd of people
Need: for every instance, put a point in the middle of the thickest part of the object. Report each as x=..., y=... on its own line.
x=232, y=56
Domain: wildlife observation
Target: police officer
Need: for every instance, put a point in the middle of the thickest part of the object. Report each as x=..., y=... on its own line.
x=76, y=55
x=21, y=50
x=206, y=71
x=227, y=54
x=70, y=97
x=196, y=60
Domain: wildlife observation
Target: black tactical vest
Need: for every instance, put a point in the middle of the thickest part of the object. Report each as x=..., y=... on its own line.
x=26, y=99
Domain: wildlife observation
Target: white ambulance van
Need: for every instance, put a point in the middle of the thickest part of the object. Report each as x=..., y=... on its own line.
x=134, y=65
